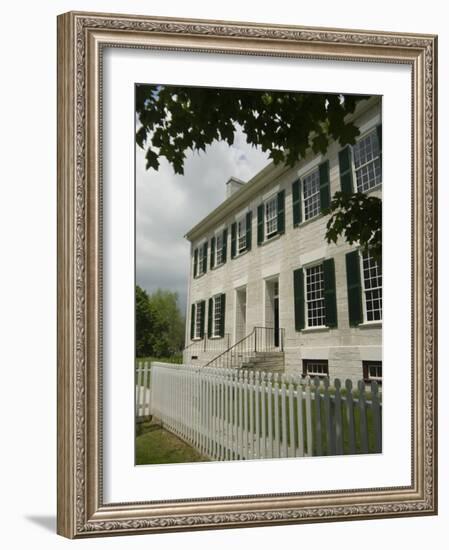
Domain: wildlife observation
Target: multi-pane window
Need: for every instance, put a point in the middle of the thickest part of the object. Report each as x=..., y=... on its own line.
x=216, y=316
x=219, y=249
x=271, y=217
x=372, y=370
x=311, y=191
x=201, y=260
x=241, y=234
x=367, y=163
x=316, y=309
x=372, y=287
x=315, y=367
x=198, y=320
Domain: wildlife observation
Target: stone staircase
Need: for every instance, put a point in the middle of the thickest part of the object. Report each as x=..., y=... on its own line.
x=267, y=361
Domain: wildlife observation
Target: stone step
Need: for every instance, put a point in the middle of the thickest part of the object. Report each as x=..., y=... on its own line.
x=266, y=360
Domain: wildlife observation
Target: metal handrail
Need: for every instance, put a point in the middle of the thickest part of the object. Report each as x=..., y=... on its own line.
x=260, y=339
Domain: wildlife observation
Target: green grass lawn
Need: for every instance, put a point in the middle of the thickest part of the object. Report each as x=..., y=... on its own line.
x=155, y=445
x=175, y=359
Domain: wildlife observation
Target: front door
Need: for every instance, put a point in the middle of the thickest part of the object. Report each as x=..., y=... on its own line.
x=276, y=313
x=240, y=320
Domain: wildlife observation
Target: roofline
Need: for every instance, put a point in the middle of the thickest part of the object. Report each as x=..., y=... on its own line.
x=240, y=197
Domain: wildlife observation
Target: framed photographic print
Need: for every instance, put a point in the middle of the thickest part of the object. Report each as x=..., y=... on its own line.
x=247, y=274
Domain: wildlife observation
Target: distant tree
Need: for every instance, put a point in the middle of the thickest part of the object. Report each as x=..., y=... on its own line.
x=175, y=119
x=159, y=324
x=171, y=339
x=146, y=324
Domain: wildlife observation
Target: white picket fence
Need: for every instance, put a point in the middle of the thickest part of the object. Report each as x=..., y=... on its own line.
x=228, y=414
x=143, y=394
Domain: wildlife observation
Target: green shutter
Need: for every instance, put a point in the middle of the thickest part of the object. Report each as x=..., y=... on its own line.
x=205, y=257
x=281, y=211
x=212, y=253
x=249, y=218
x=325, y=191
x=345, y=162
x=298, y=289
x=192, y=322
x=379, y=139
x=223, y=312
x=195, y=262
x=297, y=211
x=354, y=288
x=209, y=317
x=330, y=297
x=202, y=306
x=225, y=246
x=260, y=220
x=233, y=240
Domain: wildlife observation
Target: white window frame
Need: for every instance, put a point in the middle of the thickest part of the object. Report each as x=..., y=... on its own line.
x=364, y=294
x=310, y=173
x=372, y=161
x=241, y=237
x=270, y=209
x=197, y=325
x=216, y=321
x=368, y=365
x=200, y=264
x=306, y=301
x=307, y=362
x=218, y=257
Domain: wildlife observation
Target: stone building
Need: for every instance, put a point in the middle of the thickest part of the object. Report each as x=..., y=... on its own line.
x=260, y=259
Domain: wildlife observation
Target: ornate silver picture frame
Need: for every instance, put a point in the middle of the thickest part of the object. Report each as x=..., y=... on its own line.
x=82, y=509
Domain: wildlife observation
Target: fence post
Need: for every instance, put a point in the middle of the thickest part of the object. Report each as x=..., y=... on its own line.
x=377, y=422
x=329, y=423
x=318, y=436
x=299, y=405
x=284, y=418
x=263, y=419
x=309, y=417
x=291, y=418
x=251, y=415
x=337, y=414
x=257, y=414
x=363, y=419
x=350, y=416
x=270, y=413
x=277, y=438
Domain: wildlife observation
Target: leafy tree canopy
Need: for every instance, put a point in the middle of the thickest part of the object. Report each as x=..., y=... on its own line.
x=174, y=120
x=159, y=324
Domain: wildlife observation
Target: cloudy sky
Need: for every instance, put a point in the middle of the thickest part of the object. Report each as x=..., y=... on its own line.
x=168, y=205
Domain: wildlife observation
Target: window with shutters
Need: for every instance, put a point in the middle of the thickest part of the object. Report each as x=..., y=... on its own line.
x=367, y=162
x=314, y=291
x=241, y=235
x=271, y=217
x=311, y=194
x=201, y=262
x=198, y=320
x=315, y=367
x=372, y=370
x=315, y=296
x=217, y=315
x=372, y=287
x=219, y=249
